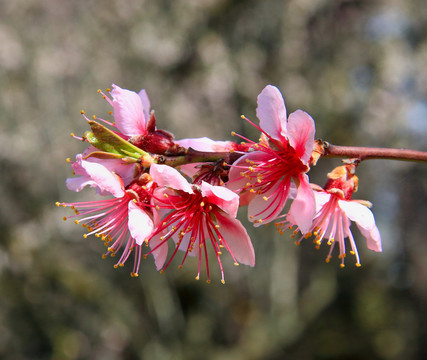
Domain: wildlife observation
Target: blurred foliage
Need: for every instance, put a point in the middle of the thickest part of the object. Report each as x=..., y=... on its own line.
x=357, y=66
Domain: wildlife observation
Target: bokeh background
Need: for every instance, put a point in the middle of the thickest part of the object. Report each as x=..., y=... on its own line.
x=359, y=67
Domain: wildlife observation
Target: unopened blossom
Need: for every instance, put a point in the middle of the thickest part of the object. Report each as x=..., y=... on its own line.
x=278, y=164
x=336, y=211
x=197, y=217
x=118, y=221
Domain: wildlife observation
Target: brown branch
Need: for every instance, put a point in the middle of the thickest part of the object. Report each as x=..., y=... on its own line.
x=365, y=153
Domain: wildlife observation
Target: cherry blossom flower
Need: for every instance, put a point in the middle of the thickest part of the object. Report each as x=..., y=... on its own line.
x=195, y=216
x=122, y=221
x=279, y=162
x=335, y=212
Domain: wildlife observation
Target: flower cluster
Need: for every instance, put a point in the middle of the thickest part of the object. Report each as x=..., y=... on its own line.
x=182, y=196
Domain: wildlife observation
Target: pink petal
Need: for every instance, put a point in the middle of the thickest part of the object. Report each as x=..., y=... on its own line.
x=271, y=112
x=237, y=239
x=365, y=221
x=165, y=175
x=190, y=169
x=321, y=197
x=78, y=183
x=95, y=175
x=301, y=131
x=204, y=144
x=224, y=198
x=124, y=170
x=303, y=207
x=146, y=106
x=140, y=223
x=128, y=112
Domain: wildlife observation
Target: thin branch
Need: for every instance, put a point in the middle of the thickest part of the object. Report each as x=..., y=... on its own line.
x=365, y=153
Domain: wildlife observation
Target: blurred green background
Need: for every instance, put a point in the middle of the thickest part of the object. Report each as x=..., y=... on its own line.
x=359, y=67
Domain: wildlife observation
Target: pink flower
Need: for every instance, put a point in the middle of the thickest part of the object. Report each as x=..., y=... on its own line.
x=334, y=212
x=121, y=222
x=280, y=160
x=195, y=216
x=332, y=222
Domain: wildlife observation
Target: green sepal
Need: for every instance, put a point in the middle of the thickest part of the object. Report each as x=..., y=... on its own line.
x=104, y=155
x=108, y=142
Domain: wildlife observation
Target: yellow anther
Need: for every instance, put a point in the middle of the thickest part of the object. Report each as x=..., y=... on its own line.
x=98, y=91
x=208, y=281
x=179, y=267
x=82, y=112
x=104, y=256
x=265, y=198
x=358, y=264
x=165, y=195
x=115, y=266
x=217, y=226
x=197, y=277
x=236, y=264
x=94, y=117
x=233, y=133
x=121, y=264
x=222, y=281
x=202, y=204
x=64, y=218
x=108, y=89
x=162, y=271
x=342, y=265
x=219, y=253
